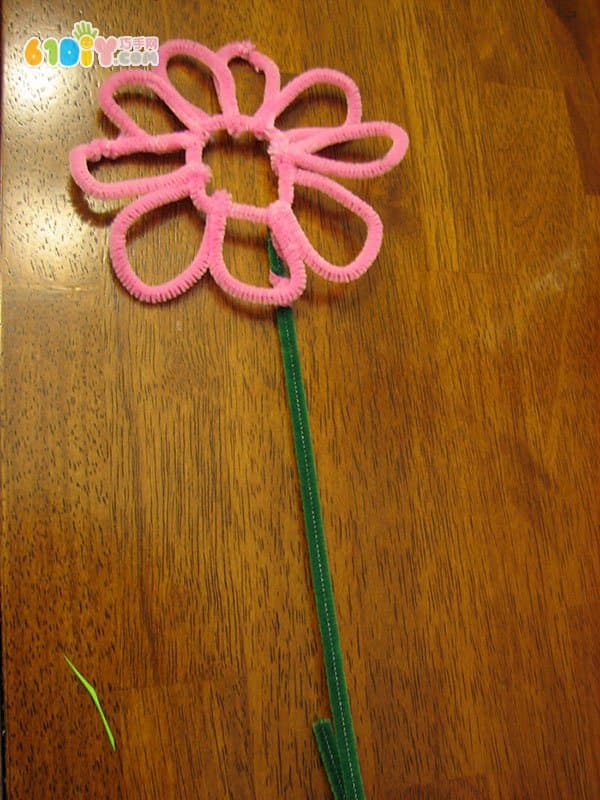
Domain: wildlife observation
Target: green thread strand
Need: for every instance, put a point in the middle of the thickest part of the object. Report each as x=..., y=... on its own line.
x=345, y=751
x=92, y=692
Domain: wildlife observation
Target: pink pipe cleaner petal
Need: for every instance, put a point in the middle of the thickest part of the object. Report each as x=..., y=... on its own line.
x=306, y=159
x=261, y=63
x=220, y=72
x=284, y=290
x=188, y=114
x=311, y=78
x=98, y=149
x=370, y=248
x=155, y=293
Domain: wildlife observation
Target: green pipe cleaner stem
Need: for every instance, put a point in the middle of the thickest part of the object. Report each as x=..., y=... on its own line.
x=337, y=742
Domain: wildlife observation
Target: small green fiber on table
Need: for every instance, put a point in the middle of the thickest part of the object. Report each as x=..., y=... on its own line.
x=94, y=697
x=337, y=742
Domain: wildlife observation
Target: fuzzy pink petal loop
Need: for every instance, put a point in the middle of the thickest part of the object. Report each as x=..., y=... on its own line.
x=220, y=72
x=188, y=114
x=261, y=63
x=284, y=290
x=154, y=293
x=347, y=133
x=311, y=78
x=370, y=249
x=98, y=149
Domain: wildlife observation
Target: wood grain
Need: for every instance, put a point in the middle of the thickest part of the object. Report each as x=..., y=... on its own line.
x=151, y=515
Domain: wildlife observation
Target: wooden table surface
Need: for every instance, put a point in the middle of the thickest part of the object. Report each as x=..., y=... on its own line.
x=152, y=527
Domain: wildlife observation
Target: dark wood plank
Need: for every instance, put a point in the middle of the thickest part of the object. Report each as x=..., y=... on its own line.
x=151, y=517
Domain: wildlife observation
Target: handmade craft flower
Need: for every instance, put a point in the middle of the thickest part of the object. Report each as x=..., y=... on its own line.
x=297, y=160
x=294, y=155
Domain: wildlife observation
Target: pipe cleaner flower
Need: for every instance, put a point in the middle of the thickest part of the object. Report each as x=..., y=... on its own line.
x=297, y=160
x=295, y=157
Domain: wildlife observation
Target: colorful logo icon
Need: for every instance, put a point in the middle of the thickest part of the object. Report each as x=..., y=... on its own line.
x=85, y=43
